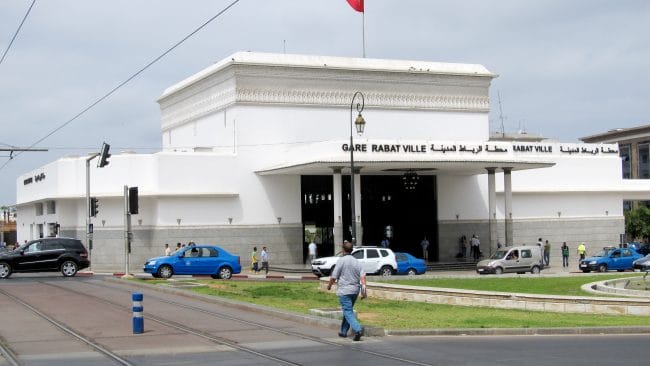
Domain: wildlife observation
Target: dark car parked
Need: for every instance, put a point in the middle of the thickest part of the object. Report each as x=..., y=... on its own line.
x=45, y=255
x=642, y=264
x=641, y=248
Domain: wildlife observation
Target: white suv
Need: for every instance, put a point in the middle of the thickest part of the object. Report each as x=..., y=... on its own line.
x=373, y=260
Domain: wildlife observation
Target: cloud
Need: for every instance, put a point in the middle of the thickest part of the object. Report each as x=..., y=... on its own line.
x=566, y=69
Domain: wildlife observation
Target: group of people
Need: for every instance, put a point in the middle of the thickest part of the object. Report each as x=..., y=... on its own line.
x=474, y=247
x=255, y=260
x=179, y=245
x=546, y=252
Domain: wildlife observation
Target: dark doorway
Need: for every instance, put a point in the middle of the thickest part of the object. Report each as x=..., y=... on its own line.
x=409, y=210
x=317, y=213
x=402, y=208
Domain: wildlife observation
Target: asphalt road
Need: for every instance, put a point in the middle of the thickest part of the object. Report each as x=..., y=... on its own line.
x=90, y=321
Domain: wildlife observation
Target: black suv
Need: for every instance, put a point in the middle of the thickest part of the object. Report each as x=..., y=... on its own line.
x=45, y=255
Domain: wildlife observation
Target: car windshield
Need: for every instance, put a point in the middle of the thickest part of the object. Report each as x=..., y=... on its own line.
x=499, y=254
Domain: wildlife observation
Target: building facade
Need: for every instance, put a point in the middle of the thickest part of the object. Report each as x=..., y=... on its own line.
x=634, y=147
x=257, y=151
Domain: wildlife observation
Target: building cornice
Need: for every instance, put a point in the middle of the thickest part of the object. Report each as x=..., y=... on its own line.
x=298, y=85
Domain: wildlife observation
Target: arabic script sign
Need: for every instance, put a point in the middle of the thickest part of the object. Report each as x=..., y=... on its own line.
x=479, y=148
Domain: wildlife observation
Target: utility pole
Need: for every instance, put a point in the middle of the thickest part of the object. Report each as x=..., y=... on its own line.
x=103, y=161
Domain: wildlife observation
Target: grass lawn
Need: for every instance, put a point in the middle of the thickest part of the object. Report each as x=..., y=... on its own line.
x=302, y=296
x=566, y=286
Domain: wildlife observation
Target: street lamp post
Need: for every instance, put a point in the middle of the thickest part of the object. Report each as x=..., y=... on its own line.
x=359, y=123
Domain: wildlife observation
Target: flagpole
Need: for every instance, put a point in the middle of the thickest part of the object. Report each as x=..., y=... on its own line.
x=363, y=32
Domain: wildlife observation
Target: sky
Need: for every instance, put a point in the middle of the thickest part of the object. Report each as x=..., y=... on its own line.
x=567, y=69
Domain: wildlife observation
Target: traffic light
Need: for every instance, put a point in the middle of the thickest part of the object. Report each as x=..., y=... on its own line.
x=133, y=200
x=104, y=155
x=94, y=206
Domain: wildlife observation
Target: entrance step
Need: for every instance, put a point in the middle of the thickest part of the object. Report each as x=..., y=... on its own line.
x=451, y=266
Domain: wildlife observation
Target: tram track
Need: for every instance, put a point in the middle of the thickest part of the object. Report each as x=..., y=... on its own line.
x=14, y=359
x=8, y=353
x=227, y=342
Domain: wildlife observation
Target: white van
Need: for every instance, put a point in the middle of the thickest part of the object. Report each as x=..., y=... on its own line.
x=519, y=259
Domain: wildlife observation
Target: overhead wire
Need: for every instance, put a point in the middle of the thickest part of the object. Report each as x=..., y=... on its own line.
x=17, y=31
x=133, y=76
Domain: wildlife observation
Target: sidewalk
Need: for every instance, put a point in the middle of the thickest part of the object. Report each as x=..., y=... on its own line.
x=286, y=272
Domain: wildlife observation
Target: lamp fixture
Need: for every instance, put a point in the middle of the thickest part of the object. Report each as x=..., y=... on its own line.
x=410, y=180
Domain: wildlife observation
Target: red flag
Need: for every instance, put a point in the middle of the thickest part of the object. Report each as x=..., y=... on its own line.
x=356, y=5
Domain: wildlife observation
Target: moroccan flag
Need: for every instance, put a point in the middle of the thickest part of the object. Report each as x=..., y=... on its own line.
x=356, y=5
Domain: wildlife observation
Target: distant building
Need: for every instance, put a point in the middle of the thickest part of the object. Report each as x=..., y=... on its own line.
x=634, y=150
x=256, y=151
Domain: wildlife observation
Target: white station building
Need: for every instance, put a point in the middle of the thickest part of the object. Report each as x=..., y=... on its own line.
x=256, y=151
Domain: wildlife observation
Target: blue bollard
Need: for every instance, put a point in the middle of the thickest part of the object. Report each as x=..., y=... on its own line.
x=138, y=319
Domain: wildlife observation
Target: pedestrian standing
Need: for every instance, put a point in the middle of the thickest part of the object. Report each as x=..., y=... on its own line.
x=313, y=251
x=265, y=260
x=540, y=244
x=547, y=252
x=168, y=250
x=582, y=251
x=565, y=255
x=476, y=247
x=350, y=279
x=425, y=249
x=254, y=260
x=385, y=243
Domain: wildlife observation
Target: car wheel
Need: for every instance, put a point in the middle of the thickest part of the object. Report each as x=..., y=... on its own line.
x=411, y=272
x=602, y=268
x=534, y=270
x=165, y=271
x=69, y=268
x=498, y=270
x=386, y=271
x=5, y=270
x=225, y=273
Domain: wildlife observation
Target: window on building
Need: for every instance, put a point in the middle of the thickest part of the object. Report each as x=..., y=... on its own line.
x=624, y=151
x=627, y=205
x=50, y=207
x=39, y=209
x=644, y=164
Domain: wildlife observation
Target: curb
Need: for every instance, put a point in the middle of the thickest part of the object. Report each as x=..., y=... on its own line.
x=520, y=331
x=236, y=276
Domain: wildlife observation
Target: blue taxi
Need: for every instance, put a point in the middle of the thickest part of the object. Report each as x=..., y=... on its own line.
x=195, y=260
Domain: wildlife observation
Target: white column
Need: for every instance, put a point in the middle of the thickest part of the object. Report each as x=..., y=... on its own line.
x=357, y=203
x=338, y=206
x=492, y=211
x=507, y=185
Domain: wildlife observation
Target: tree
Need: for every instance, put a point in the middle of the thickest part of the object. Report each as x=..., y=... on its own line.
x=637, y=223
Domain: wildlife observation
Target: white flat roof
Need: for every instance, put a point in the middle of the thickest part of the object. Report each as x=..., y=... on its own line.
x=332, y=62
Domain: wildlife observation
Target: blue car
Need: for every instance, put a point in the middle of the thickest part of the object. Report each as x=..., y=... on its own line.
x=195, y=260
x=408, y=264
x=610, y=258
